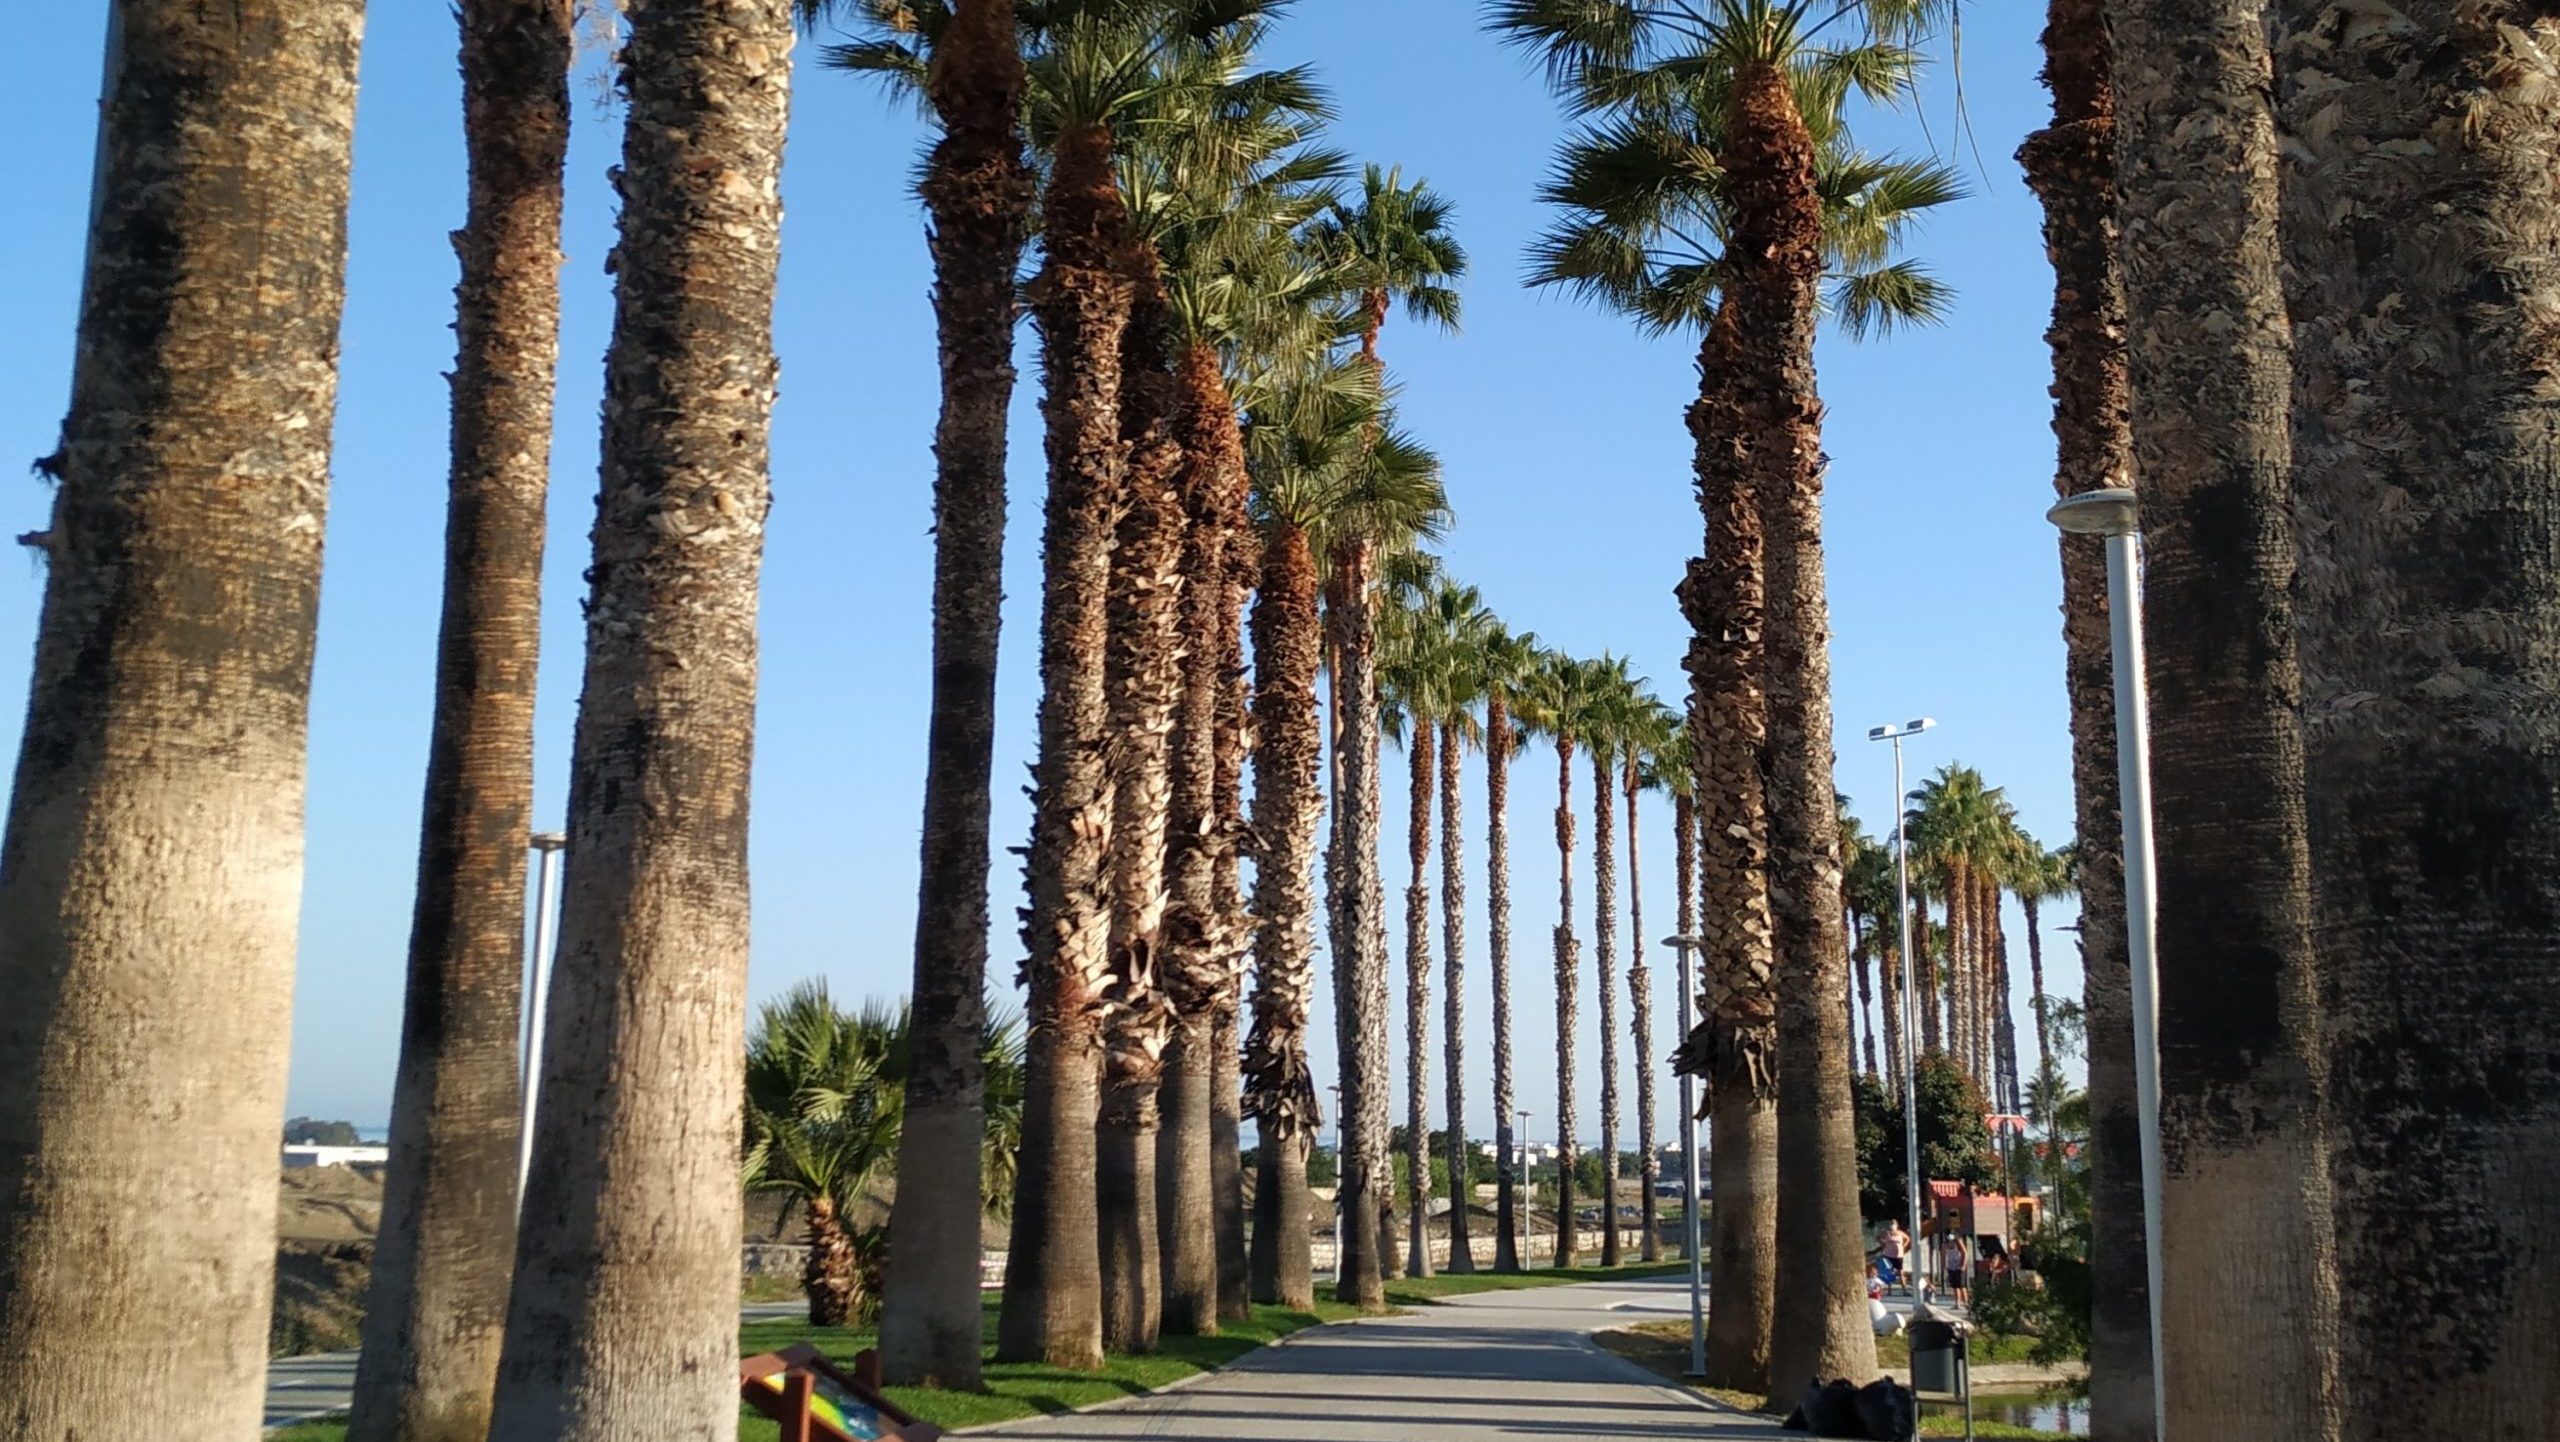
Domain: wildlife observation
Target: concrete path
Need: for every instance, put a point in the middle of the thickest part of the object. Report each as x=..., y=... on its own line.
x=1493, y=1365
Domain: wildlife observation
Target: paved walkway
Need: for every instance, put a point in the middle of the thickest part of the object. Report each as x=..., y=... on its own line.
x=1493, y=1365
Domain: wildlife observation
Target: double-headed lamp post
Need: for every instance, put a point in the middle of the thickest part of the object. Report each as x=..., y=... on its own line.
x=546, y=845
x=2115, y=513
x=1910, y=1006
x=1689, y=946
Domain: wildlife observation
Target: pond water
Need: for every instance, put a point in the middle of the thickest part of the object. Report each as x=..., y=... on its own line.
x=2058, y=1409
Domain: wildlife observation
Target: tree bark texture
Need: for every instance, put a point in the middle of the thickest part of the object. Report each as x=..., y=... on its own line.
x=1052, y=1297
x=1422, y=758
x=624, y=1314
x=2423, y=266
x=1453, y=936
x=2244, y=1193
x=1568, y=1252
x=1360, y=966
x=436, y=1306
x=977, y=193
x=2071, y=164
x=1604, y=926
x=1280, y=1092
x=152, y=870
x=1732, y=1046
x=1507, y=1201
x=1640, y=999
x=1819, y=1328
x=1226, y=1101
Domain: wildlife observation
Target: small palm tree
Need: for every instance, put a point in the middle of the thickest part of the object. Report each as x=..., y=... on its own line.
x=823, y=1114
x=1506, y=664
x=1646, y=732
x=1560, y=702
x=1392, y=243
x=2045, y=876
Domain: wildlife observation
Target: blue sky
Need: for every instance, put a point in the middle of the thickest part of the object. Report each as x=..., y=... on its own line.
x=1560, y=429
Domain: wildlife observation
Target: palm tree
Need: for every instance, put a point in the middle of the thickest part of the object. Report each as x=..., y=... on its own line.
x=1393, y=244
x=155, y=825
x=2071, y=165
x=1738, y=249
x=1464, y=626
x=2213, y=401
x=1868, y=888
x=627, y=1254
x=1559, y=702
x=1507, y=667
x=1407, y=704
x=2046, y=876
x=2430, y=829
x=964, y=58
x=1674, y=768
x=436, y=1306
x=1606, y=734
x=823, y=1121
x=1642, y=742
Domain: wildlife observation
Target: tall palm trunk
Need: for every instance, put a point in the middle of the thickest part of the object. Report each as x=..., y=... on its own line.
x=1226, y=1099
x=1143, y=686
x=2071, y=165
x=1640, y=998
x=1199, y=949
x=1052, y=1294
x=1959, y=884
x=436, y=1308
x=1360, y=962
x=623, y=1317
x=1733, y=1046
x=1892, y=980
x=1507, y=1201
x=1287, y=807
x=2424, y=479
x=978, y=191
x=2031, y=903
x=1819, y=1328
x=153, y=862
x=2245, y=1186
x=1568, y=1250
x=1861, y=955
x=1932, y=1038
x=2005, y=1017
x=1417, y=1000
x=1604, y=906
x=1453, y=935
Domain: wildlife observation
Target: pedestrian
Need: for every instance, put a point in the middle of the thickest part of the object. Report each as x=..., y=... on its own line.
x=1958, y=1262
x=1892, y=1250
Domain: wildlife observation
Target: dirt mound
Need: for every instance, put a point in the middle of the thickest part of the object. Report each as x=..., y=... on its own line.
x=328, y=1206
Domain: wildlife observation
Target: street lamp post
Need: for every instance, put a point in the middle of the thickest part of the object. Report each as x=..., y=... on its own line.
x=1919, y=1283
x=1337, y=1183
x=1689, y=946
x=1528, y=1196
x=2115, y=513
x=546, y=846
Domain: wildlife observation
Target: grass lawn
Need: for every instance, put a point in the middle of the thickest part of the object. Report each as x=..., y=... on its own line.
x=1024, y=1390
x=1663, y=1347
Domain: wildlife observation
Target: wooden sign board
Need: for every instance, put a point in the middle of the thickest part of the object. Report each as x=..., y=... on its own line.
x=817, y=1401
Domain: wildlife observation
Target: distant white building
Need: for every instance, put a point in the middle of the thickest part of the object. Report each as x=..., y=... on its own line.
x=303, y=1154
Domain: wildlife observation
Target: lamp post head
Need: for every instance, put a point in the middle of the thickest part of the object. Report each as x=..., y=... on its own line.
x=1912, y=727
x=1685, y=942
x=2114, y=511
x=548, y=841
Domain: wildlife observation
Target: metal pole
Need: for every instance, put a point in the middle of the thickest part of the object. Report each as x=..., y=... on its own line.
x=546, y=845
x=2141, y=878
x=1689, y=1178
x=1528, y=1197
x=1918, y=1283
x=1337, y=1184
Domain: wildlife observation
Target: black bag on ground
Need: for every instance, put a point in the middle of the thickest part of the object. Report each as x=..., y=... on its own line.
x=1829, y=1409
x=1887, y=1412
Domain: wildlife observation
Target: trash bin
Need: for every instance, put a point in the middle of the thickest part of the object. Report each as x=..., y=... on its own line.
x=1937, y=1358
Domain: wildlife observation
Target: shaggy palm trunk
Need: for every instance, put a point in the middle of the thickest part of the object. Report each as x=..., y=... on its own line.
x=827, y=1275
x=1819, y=1328
x=1733, y=1046
x=2035, y=979
x=1604, y=905
x=2426, y=478
x=2245, y=1186
x=1861, y=956
x=1200, y=951
x=1226, y=1100
x=623, y=1318
x=1960, y=967
x=153, y=862
x=1891, y=966
x=1640, y=998
x=436, y=1306
x=1417, y=1001
x=1568, y=1250
x=1360, y=961
x=978, y=192
x=1924, y=956
x=1684, y=826
x=1143, y=687
x=2071, y=165
x=2008, y=1017
x=1287, y=807
x=1453, y=936
x=1052, y=1288
x=1507, y=1202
